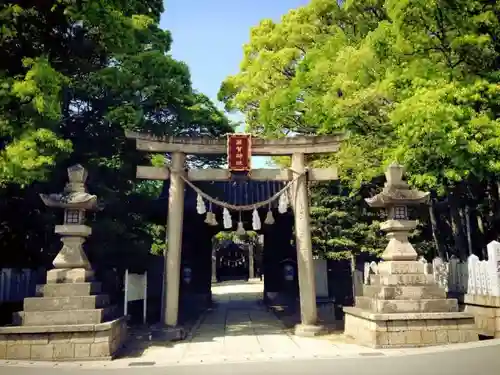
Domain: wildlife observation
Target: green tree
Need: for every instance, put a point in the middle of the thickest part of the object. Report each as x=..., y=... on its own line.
x=343, y=226
x=74, y=76
x=373, y=70
x=411, y=81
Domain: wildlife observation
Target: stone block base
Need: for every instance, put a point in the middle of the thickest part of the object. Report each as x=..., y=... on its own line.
x=71, y=275
x=486, y=312
x=69, y=289
x=63, y=343
x=408, y=329
x=407, y=305
x=64, y=317
x=39, y=304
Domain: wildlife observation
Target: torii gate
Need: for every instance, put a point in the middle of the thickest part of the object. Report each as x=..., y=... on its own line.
x=297, y=147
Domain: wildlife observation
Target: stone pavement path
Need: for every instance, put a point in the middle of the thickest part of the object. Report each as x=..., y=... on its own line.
x=239, y=328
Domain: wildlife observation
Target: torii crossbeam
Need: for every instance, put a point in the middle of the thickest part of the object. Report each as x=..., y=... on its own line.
x=297, y=147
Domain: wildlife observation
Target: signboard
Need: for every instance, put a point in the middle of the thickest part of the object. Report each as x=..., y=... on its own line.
x=136, y=289
x=239, y=152
x=321, y=276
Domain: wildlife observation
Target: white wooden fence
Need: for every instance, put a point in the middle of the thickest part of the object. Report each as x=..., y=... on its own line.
x=473, y=276
x=16, y=284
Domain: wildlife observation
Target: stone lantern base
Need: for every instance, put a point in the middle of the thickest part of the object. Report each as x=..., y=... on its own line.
x=404, y=307
x=70, y=321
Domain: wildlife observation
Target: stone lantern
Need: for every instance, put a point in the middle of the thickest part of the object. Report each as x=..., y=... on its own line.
x=402, y=305
x=71, y=263
x=395, y=198
x=70, y=318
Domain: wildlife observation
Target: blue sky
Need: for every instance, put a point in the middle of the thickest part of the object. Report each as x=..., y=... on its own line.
x=209, y=35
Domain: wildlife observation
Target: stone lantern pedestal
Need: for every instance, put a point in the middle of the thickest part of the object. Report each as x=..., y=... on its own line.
x=402, y=306
x=70, y=319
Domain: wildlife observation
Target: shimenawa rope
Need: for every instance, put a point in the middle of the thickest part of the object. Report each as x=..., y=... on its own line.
x=233, y=207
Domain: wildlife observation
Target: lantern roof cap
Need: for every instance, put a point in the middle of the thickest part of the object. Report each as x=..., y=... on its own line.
x=75, y=195
x=69, y=200
x=396, y=191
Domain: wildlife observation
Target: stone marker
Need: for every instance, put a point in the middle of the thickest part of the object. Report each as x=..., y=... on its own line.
x=70, y=320
x=403, y=306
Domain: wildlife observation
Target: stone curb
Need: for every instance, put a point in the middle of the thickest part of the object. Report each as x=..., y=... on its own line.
x=120, y=364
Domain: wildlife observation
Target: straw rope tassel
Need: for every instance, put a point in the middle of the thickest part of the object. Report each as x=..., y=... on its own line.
x=210, y=218
x=228, y=221
x=200, y=205
x=269, y=217
x=256, y=224
x=283, y=203
x=240, y=231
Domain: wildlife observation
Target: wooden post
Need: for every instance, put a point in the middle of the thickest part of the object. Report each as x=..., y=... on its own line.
x=214, y=266
x=251, y=262
x=174, y=240
x=305, y=263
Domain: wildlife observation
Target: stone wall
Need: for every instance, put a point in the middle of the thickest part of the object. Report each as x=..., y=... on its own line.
x=486, y=311
x=63, y=343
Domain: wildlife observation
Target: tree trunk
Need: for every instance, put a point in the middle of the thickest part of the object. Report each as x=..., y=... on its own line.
x=493, y=211
x=480, y=227
x=468, y=229
x=441, y=251
x=457, y=227
x=353, y=277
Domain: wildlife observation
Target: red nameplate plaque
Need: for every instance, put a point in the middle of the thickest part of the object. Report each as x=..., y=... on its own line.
x=239, y=152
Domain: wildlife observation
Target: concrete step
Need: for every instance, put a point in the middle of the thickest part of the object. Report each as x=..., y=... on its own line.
x=65, y=317
x=69, y=289
x=404, y=292
x=407, y=306
x=65, y=303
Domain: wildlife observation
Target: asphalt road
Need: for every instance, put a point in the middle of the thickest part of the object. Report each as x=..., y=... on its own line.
x=471, y=361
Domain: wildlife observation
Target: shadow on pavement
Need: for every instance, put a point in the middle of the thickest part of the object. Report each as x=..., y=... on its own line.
x=139, y=340
x=237, y=310
x=289, y=315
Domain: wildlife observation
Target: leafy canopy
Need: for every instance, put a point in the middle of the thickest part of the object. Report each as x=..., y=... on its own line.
x=414, y=81
x=74, y=76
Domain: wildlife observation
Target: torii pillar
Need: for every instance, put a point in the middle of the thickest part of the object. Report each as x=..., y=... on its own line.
x=305, y=263
x=298, y=147
x=175, y=219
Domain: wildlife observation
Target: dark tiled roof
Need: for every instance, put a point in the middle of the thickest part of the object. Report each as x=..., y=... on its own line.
x=233, y=192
